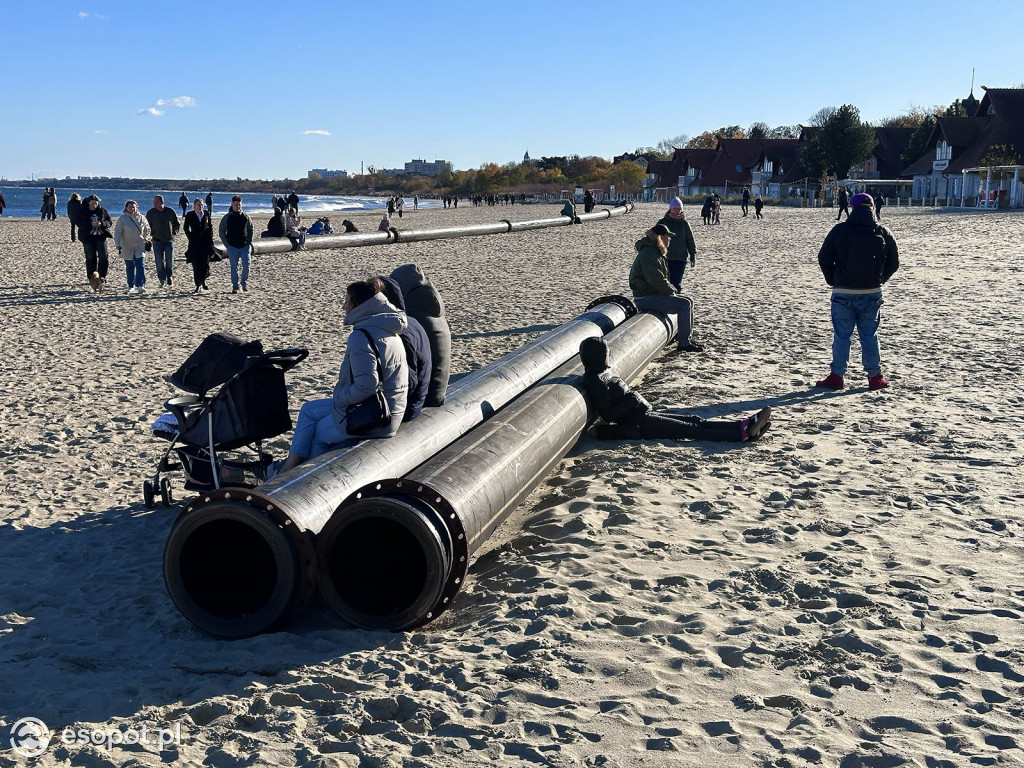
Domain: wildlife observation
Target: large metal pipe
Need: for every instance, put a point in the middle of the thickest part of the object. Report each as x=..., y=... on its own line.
x=354, y=239
x=395, y=556
x=211, y=578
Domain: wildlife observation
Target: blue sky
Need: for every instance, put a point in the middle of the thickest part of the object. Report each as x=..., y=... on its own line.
x=200, y=90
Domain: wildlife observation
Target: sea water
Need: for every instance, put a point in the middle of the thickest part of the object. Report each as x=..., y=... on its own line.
x=26, y=201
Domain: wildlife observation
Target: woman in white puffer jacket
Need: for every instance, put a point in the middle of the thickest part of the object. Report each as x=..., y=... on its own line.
x=131, y=233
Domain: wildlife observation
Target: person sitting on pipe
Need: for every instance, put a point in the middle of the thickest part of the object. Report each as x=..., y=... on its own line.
x=320, y=426
x=629, y=416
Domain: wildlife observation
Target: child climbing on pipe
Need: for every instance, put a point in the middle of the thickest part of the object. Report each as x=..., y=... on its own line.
x=629, y=416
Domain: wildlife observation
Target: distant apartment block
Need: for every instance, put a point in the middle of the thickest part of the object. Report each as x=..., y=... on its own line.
x=427, y=169
x=323, y=173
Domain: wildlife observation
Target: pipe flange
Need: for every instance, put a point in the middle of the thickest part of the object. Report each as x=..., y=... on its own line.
x=628, y=306
x=448, y=515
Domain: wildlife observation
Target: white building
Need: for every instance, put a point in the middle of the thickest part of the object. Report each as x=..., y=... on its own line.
x=424, y=168
x=323, y=173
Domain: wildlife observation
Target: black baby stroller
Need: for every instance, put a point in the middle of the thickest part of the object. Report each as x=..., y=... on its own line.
x=238, y=400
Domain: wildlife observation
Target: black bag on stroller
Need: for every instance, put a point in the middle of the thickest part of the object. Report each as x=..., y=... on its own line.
x=250, y=404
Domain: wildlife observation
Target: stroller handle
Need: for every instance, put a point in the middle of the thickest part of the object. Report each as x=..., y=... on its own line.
x=286, y=358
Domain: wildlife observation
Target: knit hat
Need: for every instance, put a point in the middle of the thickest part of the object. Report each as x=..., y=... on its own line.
x=676, y=203
x=862, y=198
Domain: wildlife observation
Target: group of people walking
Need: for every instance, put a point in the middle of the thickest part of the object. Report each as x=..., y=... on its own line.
x=135, y=234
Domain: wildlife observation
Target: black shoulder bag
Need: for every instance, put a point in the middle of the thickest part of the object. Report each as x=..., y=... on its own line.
x=373, y=413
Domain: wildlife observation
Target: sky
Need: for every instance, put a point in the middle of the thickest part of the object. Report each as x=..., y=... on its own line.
x=270, y=90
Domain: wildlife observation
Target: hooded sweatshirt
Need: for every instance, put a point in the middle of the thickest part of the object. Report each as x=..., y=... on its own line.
x=611, y=397
x=358, y=379
x=423, y=302
x=417, y=352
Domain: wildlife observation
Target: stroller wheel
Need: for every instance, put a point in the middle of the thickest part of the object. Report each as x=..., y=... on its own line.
x=165, y=492
x=148, y=494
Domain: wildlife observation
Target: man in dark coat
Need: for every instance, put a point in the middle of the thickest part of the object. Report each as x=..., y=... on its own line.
x=417, y=350
x=183, y=204
x=293, y=201
x=857, y=258
x=424, y=303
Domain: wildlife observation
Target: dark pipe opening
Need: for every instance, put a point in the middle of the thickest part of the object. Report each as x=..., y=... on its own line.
x=384, y=562
x=378, y=567
x=228, y=569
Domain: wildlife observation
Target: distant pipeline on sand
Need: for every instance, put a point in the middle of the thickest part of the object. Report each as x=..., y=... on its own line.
x=353, y=239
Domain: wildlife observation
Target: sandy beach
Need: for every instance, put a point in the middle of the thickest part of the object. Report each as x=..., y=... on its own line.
x=845, y=592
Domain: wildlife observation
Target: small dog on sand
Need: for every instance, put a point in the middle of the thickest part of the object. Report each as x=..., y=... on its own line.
x=96, y=282
x=349, y=226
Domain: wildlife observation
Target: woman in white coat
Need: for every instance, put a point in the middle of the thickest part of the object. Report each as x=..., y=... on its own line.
x=131, y=233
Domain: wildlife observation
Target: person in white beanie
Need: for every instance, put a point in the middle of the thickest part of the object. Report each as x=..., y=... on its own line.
x=681, y=246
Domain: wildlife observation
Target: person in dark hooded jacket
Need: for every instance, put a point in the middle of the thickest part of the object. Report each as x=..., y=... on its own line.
x=423, y=302
x=417, y=349
x=857, y=258
x=276, y=226
x=629, y=416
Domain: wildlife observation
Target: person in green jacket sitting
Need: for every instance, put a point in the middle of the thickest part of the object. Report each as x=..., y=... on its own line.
x=652, y=291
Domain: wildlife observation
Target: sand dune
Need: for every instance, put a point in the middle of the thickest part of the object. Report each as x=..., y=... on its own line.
x=845, y=592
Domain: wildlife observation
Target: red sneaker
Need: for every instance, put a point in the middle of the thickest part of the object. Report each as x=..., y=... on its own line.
x=877, y=382
x=832, y=381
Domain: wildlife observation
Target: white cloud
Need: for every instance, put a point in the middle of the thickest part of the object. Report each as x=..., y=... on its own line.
x=99, y=131
x=84, y=15
x=317, y=132
x=177, y=101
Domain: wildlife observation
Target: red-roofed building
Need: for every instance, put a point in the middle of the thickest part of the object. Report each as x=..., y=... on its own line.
x=958, y=144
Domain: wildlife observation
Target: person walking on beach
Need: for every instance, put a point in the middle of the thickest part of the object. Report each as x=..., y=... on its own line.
x=706, y=209
x=236, y=235
x=74, y=210
x=94, y=225
x=858, y=256
x=183, y=204
x=652, y=291
x=844, y=203
x=681, y=246
x=293, y=200
x=3, y=204
x=163, y=222
x=745, y=204
x=879, y=202
x=199, y=231
x=716, y=209
x=630, y=417
x=209, y=202
x=131, y=234
x=758, y=205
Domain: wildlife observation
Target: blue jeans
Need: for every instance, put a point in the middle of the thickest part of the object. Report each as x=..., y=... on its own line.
x=862, y=311
x=135, y=269
x=164, y=253
x=234, y=254
x=680, y=306
x=315, y=430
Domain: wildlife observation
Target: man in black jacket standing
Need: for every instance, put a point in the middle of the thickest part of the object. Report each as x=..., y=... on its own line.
x=857, y=258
